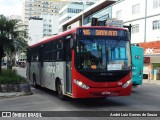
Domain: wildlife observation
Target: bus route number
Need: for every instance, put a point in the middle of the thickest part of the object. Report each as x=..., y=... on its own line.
x=86, y=32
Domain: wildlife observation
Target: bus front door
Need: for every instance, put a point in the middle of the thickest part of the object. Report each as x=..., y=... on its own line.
x=68, y=68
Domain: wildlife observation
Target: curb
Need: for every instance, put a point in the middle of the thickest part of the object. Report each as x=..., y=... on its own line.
x=14, y=90
x=13, y=94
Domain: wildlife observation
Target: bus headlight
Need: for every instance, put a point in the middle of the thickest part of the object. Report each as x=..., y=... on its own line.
x=127, y=84
x=81, y=84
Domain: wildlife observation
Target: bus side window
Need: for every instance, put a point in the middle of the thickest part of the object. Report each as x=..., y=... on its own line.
x=59, y=50
x=40, y=54
x=58, y=55
x=59, y=44
x=34, y=56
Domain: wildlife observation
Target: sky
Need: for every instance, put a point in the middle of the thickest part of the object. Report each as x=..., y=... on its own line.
x=11, y=7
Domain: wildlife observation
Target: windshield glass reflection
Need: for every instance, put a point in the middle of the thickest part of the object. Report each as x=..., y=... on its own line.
x=102, y=55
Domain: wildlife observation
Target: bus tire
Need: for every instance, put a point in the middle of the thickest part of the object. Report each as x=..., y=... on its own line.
x=34, y=81
x=60, y=90
x=134, y=86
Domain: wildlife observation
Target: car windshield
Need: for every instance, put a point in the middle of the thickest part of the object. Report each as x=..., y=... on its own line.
x=102, y=54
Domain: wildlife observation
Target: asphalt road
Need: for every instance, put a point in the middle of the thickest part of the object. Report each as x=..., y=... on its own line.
x=143, y=98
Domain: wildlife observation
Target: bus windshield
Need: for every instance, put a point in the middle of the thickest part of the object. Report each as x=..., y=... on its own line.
x=102, y=54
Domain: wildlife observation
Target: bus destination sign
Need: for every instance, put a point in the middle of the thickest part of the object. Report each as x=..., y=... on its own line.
x=102, y=32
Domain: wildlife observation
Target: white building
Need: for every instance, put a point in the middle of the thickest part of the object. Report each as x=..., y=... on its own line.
x=144, y=16
x=40, y=28
x=37, y=8
x=72, y=9
x=69, y=11
x=50, y=25
x=45, y=9
x=35, y=30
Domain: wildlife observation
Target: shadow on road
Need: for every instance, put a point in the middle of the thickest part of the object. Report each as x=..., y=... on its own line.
x=84, y=103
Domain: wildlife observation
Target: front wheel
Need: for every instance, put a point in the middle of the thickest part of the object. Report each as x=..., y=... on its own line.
x=60, y=91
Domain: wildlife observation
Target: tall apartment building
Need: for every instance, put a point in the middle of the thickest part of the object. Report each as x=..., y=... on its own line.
x=37, y=8
x=47, y=11
x=71, y=9
x=35, y=30
x=43, y=27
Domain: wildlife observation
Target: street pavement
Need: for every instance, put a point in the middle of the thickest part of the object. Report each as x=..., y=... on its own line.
x=145, y=97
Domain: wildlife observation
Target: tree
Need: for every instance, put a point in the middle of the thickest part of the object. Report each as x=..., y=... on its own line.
x=13, y=36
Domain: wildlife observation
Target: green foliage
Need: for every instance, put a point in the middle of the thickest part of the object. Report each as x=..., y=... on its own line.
x=13, y=36
x=11, y=77
x=156, y=65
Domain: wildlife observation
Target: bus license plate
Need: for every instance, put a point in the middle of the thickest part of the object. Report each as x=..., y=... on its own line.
x=106, y=93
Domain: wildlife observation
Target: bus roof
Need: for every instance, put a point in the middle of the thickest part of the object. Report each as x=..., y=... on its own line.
x=71, y=31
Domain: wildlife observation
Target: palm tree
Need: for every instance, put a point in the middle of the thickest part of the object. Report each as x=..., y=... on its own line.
x=12, y=37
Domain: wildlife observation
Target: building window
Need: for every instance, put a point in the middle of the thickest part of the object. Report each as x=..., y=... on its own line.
x=156, y=24
x=135, y=28
x=156, y=3
x=119, y=14
x=136, y=9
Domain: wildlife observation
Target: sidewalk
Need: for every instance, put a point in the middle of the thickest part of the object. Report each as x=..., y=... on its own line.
x=151, y=81
x=13, y=94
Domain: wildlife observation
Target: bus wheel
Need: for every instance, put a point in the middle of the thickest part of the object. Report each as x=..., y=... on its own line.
x=34, y=81
x=60, y=90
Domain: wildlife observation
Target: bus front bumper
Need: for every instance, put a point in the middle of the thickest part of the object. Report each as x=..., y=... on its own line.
x=79, y=92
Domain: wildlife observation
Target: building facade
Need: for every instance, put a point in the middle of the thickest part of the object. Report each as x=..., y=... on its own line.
x=72, y=9
x=35, y=30
x=47, y=10
x=69, y=11
x=37, y=8
x=144, y=16
x=40, y=28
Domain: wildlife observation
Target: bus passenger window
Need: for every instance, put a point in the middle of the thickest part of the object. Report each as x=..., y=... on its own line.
x=57, y=55
x=59, y=44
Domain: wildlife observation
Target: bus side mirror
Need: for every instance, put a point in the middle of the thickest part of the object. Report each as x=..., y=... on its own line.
x=71, y=43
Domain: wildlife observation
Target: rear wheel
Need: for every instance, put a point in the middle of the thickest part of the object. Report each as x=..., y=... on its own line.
x=60, y=90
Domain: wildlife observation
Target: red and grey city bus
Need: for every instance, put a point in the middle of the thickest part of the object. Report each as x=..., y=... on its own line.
x=85, y=62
